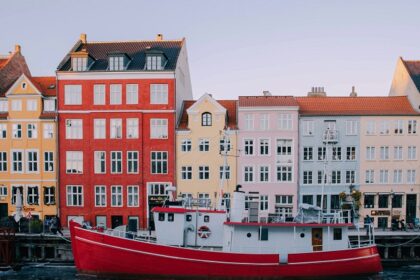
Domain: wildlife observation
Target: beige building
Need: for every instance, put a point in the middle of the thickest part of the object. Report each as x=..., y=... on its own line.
x=204, y=127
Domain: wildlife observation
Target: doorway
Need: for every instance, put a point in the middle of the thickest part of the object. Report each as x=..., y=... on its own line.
x=116, y=221
x=3, y=210
x=317, y=239
x=411, y=208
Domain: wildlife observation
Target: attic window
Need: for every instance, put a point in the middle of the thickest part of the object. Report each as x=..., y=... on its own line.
x=79, y=63
x=116, y=63
x=23, y=85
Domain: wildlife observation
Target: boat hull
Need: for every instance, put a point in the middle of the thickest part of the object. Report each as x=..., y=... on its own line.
x=99, y=253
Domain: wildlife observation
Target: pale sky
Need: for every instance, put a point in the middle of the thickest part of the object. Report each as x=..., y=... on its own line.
x=234, y=47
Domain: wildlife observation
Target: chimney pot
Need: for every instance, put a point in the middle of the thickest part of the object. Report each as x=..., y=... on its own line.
x=159, y=37
x=17, y=48
x=353, y=92
x=266, y=93
x=83, y=38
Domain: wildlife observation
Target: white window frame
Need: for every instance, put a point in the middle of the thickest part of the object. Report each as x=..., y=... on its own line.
x=100, y=196
x=249, y=149
x=32, y=166
x=132, y=94
x=32, y=130
x=31, y=105
x=159, y=93
x=203, y=172
x=132, y=162
x=264, y=174
x=264, y=145
x=285, y=122
x=116, y=128
x=117, y=162
x=20, y=164
x=132, y=125
x=3, y=130
x=249, y=122
x=398, y=176
x=99, y=162
x=204, y=145
x=158, y=128
x=398, y=152
x=99, y=95
x=48, y=130
x=248, y=174
x=412, y=153
x=99, y=128
x=17, y=131
x=74, y=162
x=133, y=196
x=49, y=161
x=74, y=128
x=117, y=195
x=3, y=161
x=264, y=121
x=115, y=94
x=72, y=95
x=49, y=105
x=77, y=191
x=186, y=172
x=17, y=105
x=308, y=128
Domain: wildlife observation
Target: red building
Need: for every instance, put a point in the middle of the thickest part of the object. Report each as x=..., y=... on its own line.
x=118, y=105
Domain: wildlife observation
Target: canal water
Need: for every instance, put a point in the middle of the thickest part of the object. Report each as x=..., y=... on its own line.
x=55, y=272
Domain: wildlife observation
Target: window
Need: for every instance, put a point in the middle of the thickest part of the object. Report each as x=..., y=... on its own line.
x=369, y=200
x=263, y=202
x=74, y=162
x=398, y=153
x=48, y=130
x=3, y=106
x=3, y=131
x=186, y=172
x=224, y=142
x=322, y=151
x=116, y=63
x=116, y=128
x=158, y=94
x=249, y=146
x=100, y=162
x=226, y=171
x=399, y=124
x=99, y=128
x=159, y=162
x=370, y=153
x=384, y=153
x=14, y=193
x=206, y=119
x=323, y=202
x=100, y=196
x=396, y=200
x=32, y=131
x=32, y=195
x=49, y=105
x=132, y=128
x=308, y=199
x=79, y=63
x=383, y=201
x=74, y=195
x=161, y=217
x=284, y=173
x=248, y=174
x=17, y=130
x=158, y=128
x=132, y=162
x=204, y=201
x=352, y=127
x=132, y=196
x=132, y=94
x=284, y=147
x=411, y=176
x=336, y=153
x=116, y=196
x=335, y=202
x=203, y=172
x=31, y=105
x=16, y=105
x=49, y=195
x=321, y=180
x=157, y=188
x=412, y=127
x=74, y=129
x=350, y=176
x=284, y=205
x=249, y=121
x=397, y=176
x=384, y=128
x=336, y=177
x=99, y=94
x=337, y=234
x=307, y=177
x=154, y=62
x=351, y=153
x=3, y=161
x=308, y=153
x=116, y=162
x=286, y=122
x=17, y=161
x=264, y=147
x=383, y=176
x=204, y=145
x=73, y=95
x=412, y=153
x=264, y=122
x=308, y=128
x=32, y=161
x=264, y=174
x=115, y=94
x=48, y=161
x=370, y=176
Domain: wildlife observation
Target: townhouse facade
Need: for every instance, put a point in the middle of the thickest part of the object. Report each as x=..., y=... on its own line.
x=268, y=149
x=118, y=105
x=205, y=170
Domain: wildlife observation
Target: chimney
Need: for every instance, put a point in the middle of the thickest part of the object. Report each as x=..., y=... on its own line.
x=83, y=38
x=317, y=92
x=267, y=93
x=17, y=48
x=159, y=37
x=353, y=93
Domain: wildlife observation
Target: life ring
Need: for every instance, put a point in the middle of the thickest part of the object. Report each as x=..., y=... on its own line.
x=204, y=232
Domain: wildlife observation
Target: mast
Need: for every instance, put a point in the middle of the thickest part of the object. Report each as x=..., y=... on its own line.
x=223, y=153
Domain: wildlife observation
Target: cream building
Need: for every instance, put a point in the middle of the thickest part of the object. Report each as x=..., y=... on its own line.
x=204, y=126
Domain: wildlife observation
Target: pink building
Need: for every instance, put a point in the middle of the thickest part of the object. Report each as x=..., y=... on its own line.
x=268, y=152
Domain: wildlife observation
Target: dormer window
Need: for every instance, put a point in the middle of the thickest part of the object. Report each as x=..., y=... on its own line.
x=49, y=105
x=3, y=106
x=79, y=63
x=206, y=119
x=155, y=60
x=116, y=63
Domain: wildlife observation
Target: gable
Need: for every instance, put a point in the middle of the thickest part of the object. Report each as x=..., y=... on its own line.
x=23, y=86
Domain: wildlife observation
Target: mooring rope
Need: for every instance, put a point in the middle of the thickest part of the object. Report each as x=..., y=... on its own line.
x=397, y=245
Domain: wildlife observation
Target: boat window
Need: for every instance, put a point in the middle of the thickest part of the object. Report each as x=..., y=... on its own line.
x=170, y=217
x=161, y=216
x=248, y=235
x=263, y=234
x=188, y=218
x=338, y=234
x=302, y=235
x=207, y=219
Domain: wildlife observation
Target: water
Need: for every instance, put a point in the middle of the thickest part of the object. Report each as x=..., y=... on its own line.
x=52, y=272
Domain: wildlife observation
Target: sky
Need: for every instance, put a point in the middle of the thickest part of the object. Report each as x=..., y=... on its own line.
x=234, y=47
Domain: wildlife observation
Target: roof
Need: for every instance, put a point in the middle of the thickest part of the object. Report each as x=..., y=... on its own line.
x=46, y=85
x=229, y=105
x=12, y=67
x=413, y=68
x=270, y=101
x=3, y=61
x=136, y=51
x=354, y=106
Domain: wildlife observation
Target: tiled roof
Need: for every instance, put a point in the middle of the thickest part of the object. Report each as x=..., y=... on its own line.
x=136, y=50
x=48, y=115
x=229, y=105
x=46, y=85
x=3, y=61
x=413, y=67
x=354, y=106
x=259, y=101
x=11, y=68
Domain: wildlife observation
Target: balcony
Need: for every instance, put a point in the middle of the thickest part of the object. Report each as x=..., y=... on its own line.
x=330, y=136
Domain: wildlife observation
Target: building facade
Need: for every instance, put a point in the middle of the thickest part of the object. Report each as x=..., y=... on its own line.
x=118, y=106
x=268, y=152
x=205, y=125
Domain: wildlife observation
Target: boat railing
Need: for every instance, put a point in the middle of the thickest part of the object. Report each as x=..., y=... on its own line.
x=126, y=234
x=189, y=202
x=364, y=240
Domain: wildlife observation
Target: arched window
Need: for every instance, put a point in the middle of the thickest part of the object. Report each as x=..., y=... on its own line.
x=206, y=119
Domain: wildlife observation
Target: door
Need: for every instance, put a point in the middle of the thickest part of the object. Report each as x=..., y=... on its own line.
x=411, y=208
x=133, y=223
x=317, y=239
x=3, y=210
x=116, y=221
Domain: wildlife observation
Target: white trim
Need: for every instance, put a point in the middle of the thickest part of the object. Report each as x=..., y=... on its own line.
x=104, y=75
x=18, y=81
x=206, y=97
x=28, y=180
x=268, y=108
x=114, y=111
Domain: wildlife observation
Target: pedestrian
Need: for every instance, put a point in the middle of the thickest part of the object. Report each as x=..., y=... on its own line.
x=59, y=228
x=403, y=225
x=368, y=221
x=53, y=225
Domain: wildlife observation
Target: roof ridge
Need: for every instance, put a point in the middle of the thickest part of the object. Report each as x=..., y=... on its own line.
x=131, y=41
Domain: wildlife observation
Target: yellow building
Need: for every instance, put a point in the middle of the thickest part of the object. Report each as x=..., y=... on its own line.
x=204, y=126
x=28, y=147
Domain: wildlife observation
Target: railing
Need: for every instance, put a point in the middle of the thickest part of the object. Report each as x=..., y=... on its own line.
x=197, y=202
x=124, y=234
x=363, y=242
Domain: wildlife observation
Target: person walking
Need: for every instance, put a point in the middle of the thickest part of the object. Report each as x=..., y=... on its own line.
x=59, y=228
x=368, y=221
